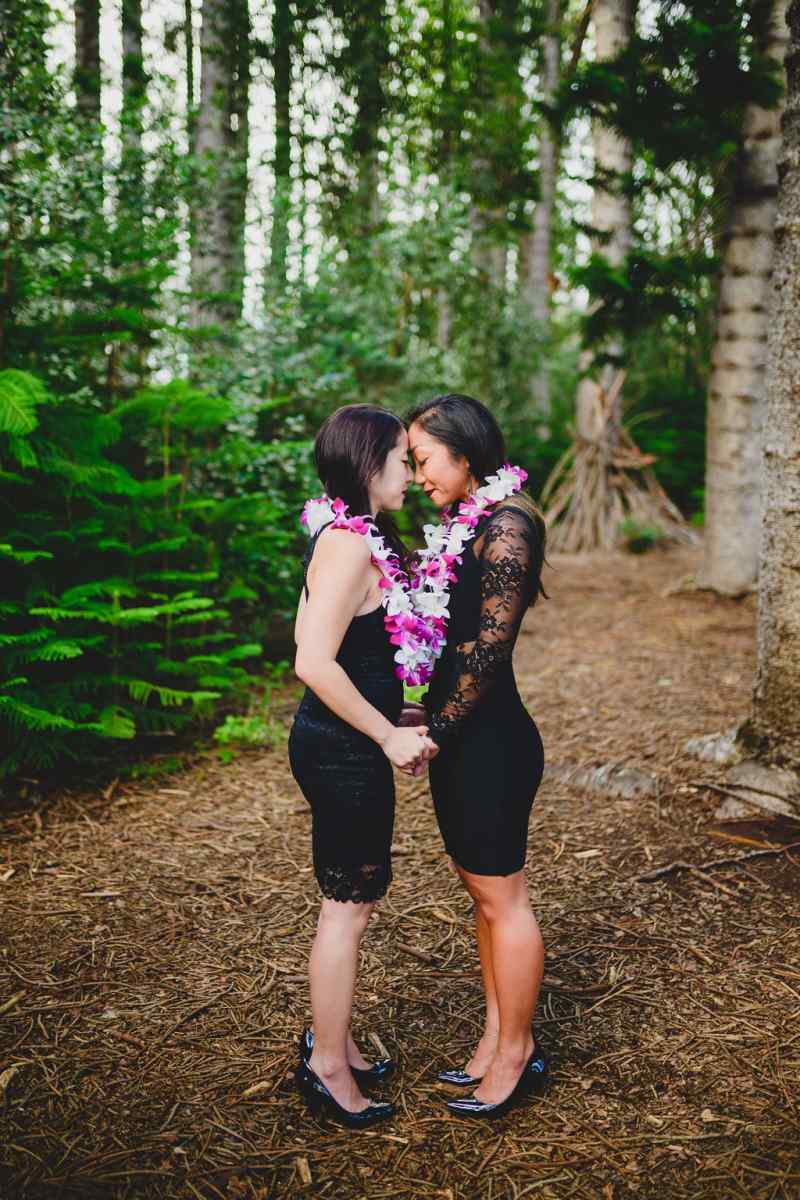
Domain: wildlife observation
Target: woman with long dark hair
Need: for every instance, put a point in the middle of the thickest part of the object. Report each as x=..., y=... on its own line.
x=345, y=737
x=491, y=759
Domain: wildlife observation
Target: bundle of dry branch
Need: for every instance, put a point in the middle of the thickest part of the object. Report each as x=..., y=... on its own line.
x=603, y=481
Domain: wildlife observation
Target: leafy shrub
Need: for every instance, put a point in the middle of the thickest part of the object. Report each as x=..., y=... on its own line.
x=638, y=538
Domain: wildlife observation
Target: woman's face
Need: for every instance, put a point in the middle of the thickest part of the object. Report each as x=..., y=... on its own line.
x=443, y=476
x=387, y=489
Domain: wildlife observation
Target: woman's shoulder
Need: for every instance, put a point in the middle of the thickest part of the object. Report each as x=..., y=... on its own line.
x=518, y=516
x=342, y=545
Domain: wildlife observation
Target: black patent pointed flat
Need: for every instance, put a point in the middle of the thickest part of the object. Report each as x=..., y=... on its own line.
x=458, y=1078
x=379, y=1070
x=322, y=1104
x=532, y=1080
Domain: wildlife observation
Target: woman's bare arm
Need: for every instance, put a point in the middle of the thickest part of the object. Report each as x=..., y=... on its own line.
x=343, y=561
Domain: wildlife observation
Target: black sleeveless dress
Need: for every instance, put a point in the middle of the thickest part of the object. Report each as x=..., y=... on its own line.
x=344, y=775
x=490, y=762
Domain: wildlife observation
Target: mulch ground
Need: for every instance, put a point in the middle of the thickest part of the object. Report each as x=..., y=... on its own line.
x=156, y=938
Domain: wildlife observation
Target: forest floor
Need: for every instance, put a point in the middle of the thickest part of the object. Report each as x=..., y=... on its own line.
x=153, y=972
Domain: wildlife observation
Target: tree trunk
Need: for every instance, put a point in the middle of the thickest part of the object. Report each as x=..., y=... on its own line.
x=237, y=134
x=776, y=699
x=188, y=35
x=87, y=58
x=611, y=209
x=282, y=43
x=221, y=152
x=134, y=90
x=736, y=386
x=368, y=42
x=538, y=250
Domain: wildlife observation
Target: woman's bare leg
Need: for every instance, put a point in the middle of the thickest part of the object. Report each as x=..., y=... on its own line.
x=487, y=1046
x=332, y=974
x=517, y=956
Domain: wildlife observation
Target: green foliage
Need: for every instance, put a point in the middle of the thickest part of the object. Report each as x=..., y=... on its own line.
x=637, y=538
x=249, y=731
x=112, y=624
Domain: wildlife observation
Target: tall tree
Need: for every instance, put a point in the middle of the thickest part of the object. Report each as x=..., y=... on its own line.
x=776, y=699
x=537, y=246
x=134, y=94
x=604, y=479
x=369, y=55
x=283, y=34
x=87, y=57
x=736, y=386
x=611, y=220
x=221, y=146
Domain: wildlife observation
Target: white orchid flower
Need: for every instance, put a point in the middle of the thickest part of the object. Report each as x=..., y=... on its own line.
x=432, y=604
x=318, y=513
x=399, y=601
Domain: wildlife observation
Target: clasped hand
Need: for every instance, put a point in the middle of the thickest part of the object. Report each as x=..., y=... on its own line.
x=408, y=746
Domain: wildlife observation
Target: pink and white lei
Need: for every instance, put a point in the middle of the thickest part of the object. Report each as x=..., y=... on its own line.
x=416, y=603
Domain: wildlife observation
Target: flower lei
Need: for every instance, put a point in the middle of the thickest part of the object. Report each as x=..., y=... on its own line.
x=416, y=602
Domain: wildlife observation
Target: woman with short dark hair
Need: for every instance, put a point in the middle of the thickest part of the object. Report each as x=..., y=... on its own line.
x=345, y=737
x=491, y=759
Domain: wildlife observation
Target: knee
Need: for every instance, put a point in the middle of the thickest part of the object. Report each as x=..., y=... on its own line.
x=488, y=909
x=345, y=918
x=496, y=905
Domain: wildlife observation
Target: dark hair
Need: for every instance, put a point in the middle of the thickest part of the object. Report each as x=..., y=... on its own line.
x=351, y=447
x=466, y=427
x=470, y=431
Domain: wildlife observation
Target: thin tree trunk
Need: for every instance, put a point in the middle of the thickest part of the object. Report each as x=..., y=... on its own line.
x=776, y=699
x=237, y=133
x=369, y=48
x=611, y=209
x=87, y=58
x=736, y=386
x=134, y=89
x=282, y=43
x=221, y=152
x=447, y=139
x=538, y=249
x=188, y=36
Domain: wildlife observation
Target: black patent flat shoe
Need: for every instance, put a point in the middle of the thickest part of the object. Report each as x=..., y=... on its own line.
x=458, y=1078
x=532, y=1080
x=322, y=1103
x=373, y=1074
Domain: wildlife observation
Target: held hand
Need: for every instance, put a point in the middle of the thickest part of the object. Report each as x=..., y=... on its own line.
x=412, y=715
x=430, y=751
x=404, y=747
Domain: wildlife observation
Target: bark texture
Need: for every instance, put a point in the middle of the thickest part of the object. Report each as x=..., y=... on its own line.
x=736, y=387
x=538, y=251
x=221, y=141
x=611, y=208
x=87, y=57
x=282, y=44
x=776, y=700
x=369, y=38
x=134, y=92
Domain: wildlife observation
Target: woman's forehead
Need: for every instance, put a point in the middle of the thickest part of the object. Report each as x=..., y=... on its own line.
x=418, y=439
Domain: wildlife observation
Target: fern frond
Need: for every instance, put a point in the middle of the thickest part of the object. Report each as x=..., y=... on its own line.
x=20, y=392
x=29, y=717
x=115, y=586
x=23, y=556
x=114, y=723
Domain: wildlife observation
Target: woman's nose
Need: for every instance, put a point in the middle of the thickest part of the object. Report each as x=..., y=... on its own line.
x=418, y=476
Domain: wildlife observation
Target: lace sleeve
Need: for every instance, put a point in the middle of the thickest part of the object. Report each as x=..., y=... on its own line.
x=507, y=562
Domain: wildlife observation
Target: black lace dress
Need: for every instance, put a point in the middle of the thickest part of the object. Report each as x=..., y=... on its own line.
x=490, y=763
x=344, y=775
